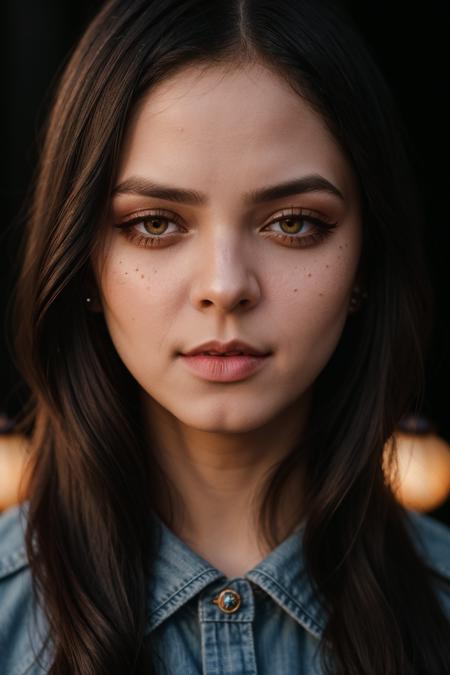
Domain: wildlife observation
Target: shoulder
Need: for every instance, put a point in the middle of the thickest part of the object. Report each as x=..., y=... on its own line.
x=432, y=540
x=12, y=539
x=22, y=625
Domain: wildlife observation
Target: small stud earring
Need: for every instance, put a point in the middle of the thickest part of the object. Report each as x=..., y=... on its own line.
x=88, y=299
x=357, y=298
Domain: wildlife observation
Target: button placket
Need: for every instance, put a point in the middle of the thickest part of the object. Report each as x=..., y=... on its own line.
x=226, y=613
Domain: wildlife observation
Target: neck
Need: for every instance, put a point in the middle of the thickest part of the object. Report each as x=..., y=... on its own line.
x=209, y=486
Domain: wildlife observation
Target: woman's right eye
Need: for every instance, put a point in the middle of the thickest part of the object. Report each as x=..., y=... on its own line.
x=157, y=221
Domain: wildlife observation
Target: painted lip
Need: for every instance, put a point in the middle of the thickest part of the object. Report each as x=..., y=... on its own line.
x=224, y=368
x=222, y=347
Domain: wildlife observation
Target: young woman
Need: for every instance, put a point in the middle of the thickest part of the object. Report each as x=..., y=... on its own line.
x=221, y=315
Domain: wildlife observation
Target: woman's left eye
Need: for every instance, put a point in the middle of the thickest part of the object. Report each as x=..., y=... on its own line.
x=319, y=228
x=155, y=224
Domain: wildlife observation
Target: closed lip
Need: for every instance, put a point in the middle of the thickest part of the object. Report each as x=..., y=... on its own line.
x=223, y=347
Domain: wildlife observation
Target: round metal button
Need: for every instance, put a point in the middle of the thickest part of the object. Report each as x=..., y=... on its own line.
x=228, y=601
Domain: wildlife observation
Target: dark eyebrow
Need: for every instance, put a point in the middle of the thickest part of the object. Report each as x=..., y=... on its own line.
x=147, y=188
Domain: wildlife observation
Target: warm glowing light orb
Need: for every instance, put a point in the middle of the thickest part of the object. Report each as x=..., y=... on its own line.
x=423, y=480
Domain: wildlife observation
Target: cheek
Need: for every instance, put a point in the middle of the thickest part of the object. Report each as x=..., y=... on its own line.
x=311, y=308
x=138, y=302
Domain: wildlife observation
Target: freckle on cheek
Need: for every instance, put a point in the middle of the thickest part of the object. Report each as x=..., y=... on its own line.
x=309, y=274
x=142, y=276
x=321, y=294
x=295, y=290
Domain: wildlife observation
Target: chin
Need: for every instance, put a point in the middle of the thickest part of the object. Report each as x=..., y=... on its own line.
x=232, y=420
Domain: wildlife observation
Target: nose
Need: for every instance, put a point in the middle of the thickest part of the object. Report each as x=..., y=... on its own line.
x=226, y=278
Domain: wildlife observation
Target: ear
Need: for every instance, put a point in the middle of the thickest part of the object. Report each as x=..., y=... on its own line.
x=359, y=292
x=360, y=279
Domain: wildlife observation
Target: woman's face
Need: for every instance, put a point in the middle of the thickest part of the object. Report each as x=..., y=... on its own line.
x=227, y=265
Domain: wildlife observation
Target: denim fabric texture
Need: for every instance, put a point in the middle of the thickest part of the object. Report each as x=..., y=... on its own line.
x=274, y=631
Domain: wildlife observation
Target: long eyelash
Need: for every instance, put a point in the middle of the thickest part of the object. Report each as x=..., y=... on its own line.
x=323, y=229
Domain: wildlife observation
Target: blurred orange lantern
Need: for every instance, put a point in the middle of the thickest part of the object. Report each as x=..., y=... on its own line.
x=423, y=461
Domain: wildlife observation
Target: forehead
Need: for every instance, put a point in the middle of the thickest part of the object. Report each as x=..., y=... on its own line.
x=218, y=126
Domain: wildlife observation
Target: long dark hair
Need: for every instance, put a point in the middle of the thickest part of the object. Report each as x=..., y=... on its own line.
x=91, y=469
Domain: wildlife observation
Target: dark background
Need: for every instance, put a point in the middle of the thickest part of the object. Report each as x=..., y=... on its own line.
x=410, y=44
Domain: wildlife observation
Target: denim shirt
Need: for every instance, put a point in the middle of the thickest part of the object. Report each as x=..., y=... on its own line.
x=265, y=622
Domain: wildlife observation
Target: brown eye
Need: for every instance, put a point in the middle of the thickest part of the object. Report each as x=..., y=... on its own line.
x=292, y=224
x=155, y=225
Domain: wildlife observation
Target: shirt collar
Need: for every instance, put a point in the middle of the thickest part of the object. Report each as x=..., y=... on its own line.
x=178, y=574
